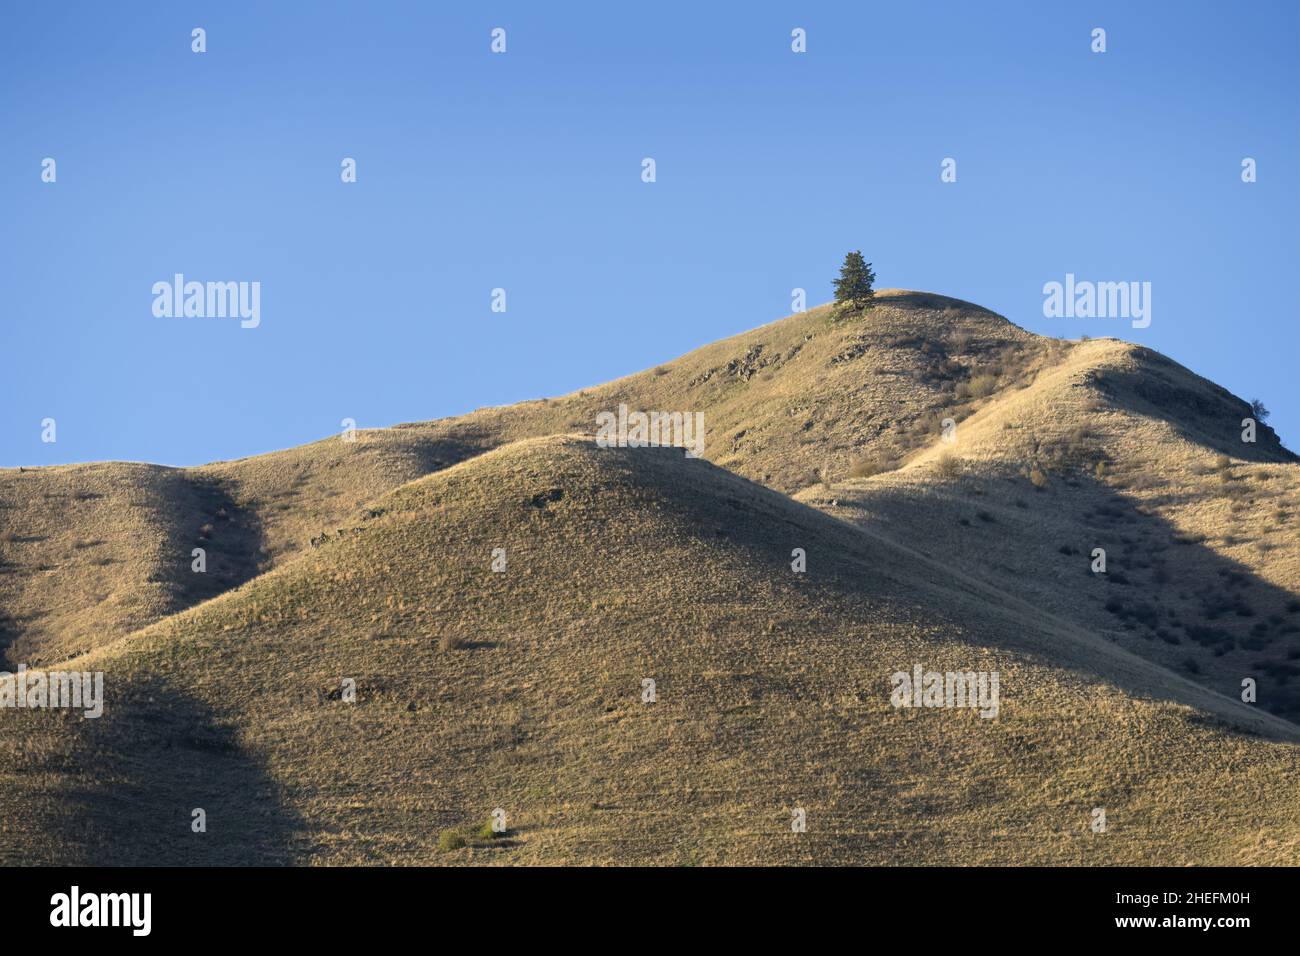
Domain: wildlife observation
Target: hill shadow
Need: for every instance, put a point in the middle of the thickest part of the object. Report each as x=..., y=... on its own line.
x=130, y=781
x=230, y=536
x=1148, y=552
x=1166, y=596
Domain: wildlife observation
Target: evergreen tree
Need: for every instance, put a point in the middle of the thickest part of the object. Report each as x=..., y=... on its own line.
x=853, y=287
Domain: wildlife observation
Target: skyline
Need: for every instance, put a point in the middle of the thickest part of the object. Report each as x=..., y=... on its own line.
x=478, y=171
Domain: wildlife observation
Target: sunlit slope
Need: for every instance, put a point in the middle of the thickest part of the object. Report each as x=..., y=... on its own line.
x=91, y=552
x=784, y=404
x=621, y=566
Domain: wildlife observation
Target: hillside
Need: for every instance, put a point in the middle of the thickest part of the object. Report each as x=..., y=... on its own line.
x=784, y=404
x=1117, y=448
x=89, y=553
x=522, y=690
x=371, y=560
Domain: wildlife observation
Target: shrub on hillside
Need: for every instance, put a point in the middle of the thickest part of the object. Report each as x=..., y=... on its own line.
x=449, y=840
x=981, y=386
x=948, y=465
x=867, y=467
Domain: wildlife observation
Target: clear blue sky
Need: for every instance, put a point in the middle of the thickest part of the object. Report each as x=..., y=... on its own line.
x=523, y=171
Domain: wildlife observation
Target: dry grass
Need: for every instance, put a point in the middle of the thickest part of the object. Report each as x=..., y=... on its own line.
x=357, y=560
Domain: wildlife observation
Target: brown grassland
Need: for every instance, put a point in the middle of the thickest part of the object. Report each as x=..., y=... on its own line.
x=372, y=561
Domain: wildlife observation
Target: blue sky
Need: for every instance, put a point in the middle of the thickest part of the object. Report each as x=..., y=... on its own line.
x=523, y=171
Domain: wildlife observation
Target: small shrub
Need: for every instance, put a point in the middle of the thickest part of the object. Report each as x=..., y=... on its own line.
x=485, y=832
x=948, y=465
x=867, y=467
x=1208, y=636
x=1145, y=613
x=449, y=840
x=982, y=386
x=1037, y=479
x=450, y=642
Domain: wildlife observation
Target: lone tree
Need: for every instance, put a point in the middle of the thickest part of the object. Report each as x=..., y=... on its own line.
x=853, y=287
x=1258, y=410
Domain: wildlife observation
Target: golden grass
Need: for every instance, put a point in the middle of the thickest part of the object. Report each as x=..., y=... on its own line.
x=523, y=690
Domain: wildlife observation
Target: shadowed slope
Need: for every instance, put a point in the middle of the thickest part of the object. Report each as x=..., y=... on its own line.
x=1117, y=448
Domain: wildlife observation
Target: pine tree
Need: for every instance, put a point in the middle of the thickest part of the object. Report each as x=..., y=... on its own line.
x=853, y=287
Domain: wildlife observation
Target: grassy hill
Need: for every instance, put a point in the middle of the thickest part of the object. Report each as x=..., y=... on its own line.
x=1120, y=449
x=785, y=404
x=523, y=690
x=372, y=561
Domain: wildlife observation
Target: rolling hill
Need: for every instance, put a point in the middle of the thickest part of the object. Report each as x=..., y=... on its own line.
x=372, y=562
